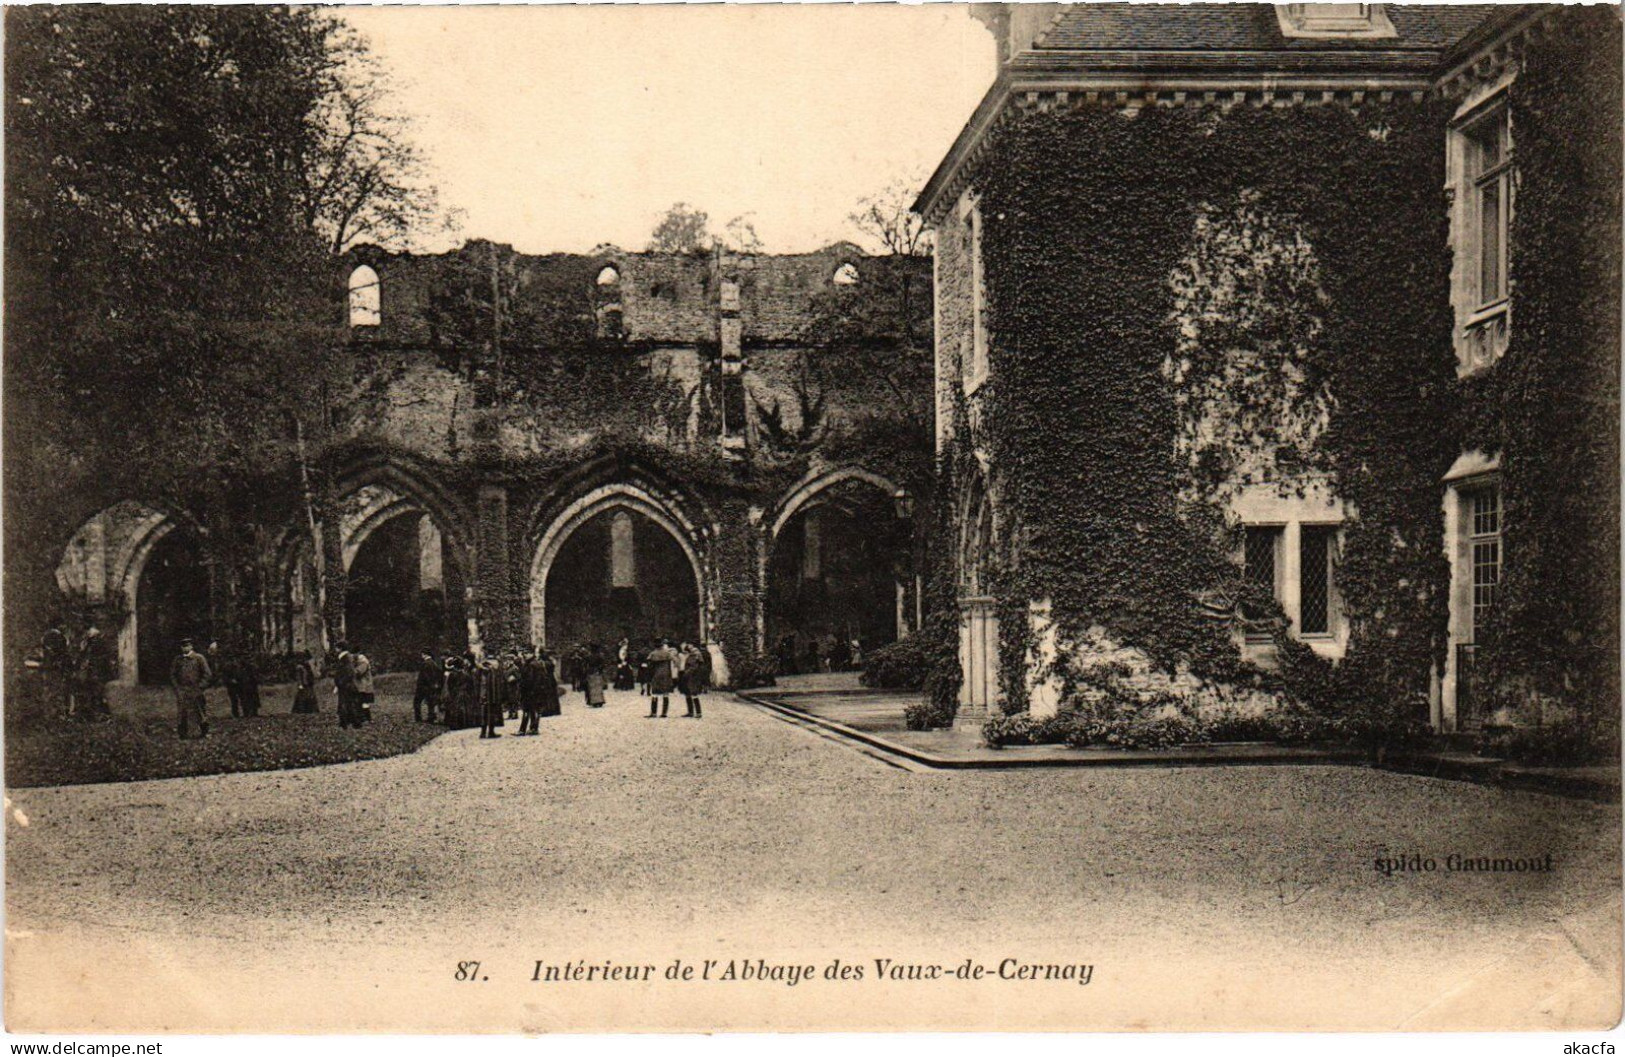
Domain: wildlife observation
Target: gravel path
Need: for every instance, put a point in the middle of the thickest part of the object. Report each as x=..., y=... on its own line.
x=346, y=895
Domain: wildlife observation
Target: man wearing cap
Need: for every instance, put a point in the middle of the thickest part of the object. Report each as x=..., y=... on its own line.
x=190, y=676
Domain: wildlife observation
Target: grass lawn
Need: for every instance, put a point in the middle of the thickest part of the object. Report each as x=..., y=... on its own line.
x=140, y=742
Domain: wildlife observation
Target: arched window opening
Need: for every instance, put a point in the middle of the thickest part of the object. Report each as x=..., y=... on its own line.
x=846, y=275
x=623, y=566
x=609, y=276
x=366, y=301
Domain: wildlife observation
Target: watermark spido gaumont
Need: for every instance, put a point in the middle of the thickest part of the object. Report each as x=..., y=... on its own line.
x=1458, y=863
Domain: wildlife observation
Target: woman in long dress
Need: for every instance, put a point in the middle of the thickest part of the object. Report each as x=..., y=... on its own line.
x=304, y=694
x=547, y=686
x=593, y=681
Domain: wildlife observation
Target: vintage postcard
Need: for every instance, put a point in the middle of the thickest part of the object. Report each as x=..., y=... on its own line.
x=720, y=518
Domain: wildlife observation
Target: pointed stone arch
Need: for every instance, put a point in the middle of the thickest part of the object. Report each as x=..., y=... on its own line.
x=819, y=481
x=106, y=557
x=614, y=496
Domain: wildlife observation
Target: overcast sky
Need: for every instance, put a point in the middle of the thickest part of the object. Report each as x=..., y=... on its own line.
x=562, y=127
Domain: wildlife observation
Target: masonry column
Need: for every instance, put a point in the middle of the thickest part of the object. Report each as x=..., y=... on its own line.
x=493, y=581
x=335, y=578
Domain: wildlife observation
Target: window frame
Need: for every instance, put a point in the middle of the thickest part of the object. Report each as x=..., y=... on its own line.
x=974, y=370
x=1277, y=533
x=366, y=298
x=1483, y=319
x=1333, y=533
x=1479, y=612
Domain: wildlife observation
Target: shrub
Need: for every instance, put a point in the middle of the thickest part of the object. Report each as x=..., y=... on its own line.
x=1023, y=729
x=759, y=670
x=927, y=715
x=1163, y=731
x=1567, y=743
x=900, y=666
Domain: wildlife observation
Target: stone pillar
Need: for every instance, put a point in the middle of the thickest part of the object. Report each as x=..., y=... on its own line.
x=96, y=558
x=731, y=392
x=332, y=543
x=493, y=583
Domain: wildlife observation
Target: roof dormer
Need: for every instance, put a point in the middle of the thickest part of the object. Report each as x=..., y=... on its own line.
x=1334, y=21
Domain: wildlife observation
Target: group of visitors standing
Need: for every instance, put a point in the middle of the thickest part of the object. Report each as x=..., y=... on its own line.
x=458, y=690
x=353, y=685
x=75, y=673
x=514, y=684
x=685, y=668
x=819, y=653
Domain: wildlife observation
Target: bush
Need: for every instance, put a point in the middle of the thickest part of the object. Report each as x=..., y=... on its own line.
x=1023, y=729
x=1568, y=743
x=900, y=666
x=927, y=715
x=759, y=670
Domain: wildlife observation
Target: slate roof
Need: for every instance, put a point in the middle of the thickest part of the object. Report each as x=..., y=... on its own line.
x=1246, y=27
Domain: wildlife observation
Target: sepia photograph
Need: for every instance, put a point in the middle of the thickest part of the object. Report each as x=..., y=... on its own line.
x=724, y=518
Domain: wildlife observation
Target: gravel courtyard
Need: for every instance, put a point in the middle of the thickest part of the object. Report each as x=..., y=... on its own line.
x=347, y=896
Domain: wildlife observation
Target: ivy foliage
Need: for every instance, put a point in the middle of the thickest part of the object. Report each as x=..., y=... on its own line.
x=1283, y=258
x=1550, y=406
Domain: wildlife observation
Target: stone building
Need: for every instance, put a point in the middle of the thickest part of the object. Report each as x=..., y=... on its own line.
x=569, y=449
x=1285, y=339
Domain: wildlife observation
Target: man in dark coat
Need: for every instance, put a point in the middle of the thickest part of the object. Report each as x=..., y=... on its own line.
x=344, y=684
x=488, y=684
x=56, y=669
x=430, y=685
x=663, y=663
x=531, y=677
x=95, y=669
x=225, y=674
x=190, y=676
x=695, y=678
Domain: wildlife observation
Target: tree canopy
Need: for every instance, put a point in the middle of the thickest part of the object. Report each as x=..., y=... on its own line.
x=178, y=178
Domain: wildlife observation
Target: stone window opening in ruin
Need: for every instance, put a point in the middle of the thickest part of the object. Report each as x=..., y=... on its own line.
x=366, y=298
x=846, y=275
x=609, y=276
x=623, y=565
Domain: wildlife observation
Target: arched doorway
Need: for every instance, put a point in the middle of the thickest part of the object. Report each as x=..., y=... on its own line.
x=404, y=590
x=171, y=603
x=838, y=557
x=140, y=572
x=620, y=574
x=617, y=562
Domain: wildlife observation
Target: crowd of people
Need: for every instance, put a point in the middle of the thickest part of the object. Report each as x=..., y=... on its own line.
x=828, y=652
x=466, y=689
x=74, y=672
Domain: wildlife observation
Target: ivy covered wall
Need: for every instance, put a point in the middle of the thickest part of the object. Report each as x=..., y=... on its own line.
x=1190, y=303
x=1550, y=406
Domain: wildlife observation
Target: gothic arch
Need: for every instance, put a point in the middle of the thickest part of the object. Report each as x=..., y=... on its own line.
x=816, y=482
x=107, y=556
x=977, y=537
x=621, y=495
x=415, y=489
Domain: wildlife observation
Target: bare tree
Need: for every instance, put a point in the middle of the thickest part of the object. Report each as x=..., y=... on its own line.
x=739, y=235
x=364, y=179
x=887, y=219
